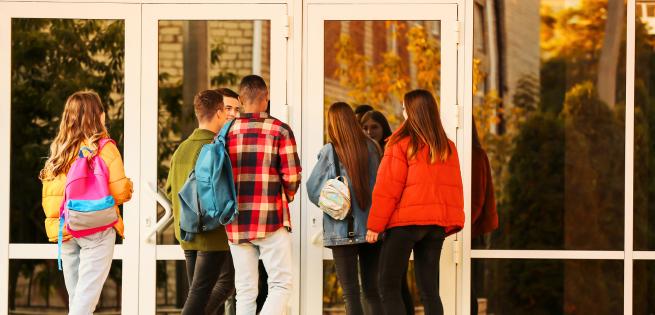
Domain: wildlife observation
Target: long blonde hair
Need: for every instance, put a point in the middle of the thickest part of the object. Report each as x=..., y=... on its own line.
x=81, y=123
x=423, y=127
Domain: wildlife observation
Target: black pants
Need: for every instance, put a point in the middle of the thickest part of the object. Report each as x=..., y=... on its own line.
x=407, y=296
x=346, y=262
x=398, y=243
x=211, y=281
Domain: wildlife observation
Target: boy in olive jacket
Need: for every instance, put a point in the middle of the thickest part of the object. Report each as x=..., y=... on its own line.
x=208, y=261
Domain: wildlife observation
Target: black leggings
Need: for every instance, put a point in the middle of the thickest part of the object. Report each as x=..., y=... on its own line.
x=346, y=262
x=211, y=281
x=397, y=246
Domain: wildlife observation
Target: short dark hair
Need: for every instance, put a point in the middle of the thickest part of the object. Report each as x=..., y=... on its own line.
x=227, y=92
x=361, y=109
x=252, y=88
x=206, y=103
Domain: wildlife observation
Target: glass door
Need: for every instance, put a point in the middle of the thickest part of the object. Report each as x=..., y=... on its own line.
x=49, y=51
x=186, y=49
x=373, y=54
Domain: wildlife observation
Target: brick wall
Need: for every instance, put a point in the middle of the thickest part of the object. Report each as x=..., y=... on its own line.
x=236, y=38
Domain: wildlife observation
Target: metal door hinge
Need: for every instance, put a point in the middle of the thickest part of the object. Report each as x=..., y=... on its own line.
x=457, y=252
x=287, y=114
x=458, y=31
x=286, y=28
x=459, y=116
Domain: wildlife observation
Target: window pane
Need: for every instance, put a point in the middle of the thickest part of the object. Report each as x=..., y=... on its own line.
x=644, y=287
x=37, y=287
x=507, y=286
x=376, y=62
x=195, y=56
x=550, y=115
x=644, y=163
x=172, y=286
x=51, y=59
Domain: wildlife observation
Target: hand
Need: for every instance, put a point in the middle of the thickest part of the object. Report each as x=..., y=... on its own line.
x=371, y=236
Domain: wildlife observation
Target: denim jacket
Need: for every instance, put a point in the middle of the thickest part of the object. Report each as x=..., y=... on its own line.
x=335, y=232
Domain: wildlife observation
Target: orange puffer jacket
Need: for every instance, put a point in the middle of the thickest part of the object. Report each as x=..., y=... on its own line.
x=416, y=192
x=119, y=186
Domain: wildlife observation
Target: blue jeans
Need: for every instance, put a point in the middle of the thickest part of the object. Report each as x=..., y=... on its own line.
x=86, y=262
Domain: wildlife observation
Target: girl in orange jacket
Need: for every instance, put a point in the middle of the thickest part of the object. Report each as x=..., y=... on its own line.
x=417, y=202
x=86, y=260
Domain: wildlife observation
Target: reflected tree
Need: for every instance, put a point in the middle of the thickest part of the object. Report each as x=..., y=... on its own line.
x=51, y=59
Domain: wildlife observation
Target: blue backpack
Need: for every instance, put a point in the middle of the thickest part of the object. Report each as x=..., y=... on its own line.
x=208, y=198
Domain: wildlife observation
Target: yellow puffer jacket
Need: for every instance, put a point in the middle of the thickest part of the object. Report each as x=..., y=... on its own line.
x=119, y=186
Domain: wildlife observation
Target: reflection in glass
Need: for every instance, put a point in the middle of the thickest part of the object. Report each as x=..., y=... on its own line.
x=37, y=286
x=507, y=286
x=195, y=56
x=644, y=163
x=549, y=106
x=644, y=287
x=172, y=286
x=51, y=59
x=376, y=63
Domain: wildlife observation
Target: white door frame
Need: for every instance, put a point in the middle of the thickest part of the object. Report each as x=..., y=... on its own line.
x=152, y=13
x=128, y=252
x=313, y=254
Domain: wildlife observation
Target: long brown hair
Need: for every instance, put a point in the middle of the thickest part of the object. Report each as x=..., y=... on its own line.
x=80, y=123
x=423, y=127
x=351, y=144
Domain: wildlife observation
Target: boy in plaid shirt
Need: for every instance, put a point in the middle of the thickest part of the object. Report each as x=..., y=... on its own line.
x=266, y=171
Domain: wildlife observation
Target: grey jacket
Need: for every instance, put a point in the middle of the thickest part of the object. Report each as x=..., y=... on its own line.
x=335, y=232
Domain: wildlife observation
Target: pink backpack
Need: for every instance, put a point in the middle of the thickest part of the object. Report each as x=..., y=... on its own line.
x=88, y=206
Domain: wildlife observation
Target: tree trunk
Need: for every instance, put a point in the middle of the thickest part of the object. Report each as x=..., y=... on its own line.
x=13, y=285
x=609, y=54
x=196, y=70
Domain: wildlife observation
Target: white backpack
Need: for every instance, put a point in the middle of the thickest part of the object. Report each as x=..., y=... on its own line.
x=335, y=194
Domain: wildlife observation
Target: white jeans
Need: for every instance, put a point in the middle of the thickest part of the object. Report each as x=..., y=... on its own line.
x=275, y=252
x=86, y=262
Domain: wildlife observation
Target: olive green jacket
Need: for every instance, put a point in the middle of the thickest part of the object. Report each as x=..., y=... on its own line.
x=182, y=163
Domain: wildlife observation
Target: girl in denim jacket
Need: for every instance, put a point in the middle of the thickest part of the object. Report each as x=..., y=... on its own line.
x=359, y=158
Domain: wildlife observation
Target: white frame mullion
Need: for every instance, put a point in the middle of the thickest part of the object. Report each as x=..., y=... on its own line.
x=546, y=254
x=643, y=255
x=466, y=72
x=5, y=156
x=129, y=250
x=629, y=158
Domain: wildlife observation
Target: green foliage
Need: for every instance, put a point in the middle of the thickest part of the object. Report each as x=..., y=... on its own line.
x=594, y=170
x=535, y=197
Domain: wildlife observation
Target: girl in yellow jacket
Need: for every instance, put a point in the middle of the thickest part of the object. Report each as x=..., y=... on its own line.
x=86, y=260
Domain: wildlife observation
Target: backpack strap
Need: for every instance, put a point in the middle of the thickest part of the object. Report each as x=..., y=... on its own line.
x=102, y=142
x=349, y=216
x=60, y=233
x=222, y=135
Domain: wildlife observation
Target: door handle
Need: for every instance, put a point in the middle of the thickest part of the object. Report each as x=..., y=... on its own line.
x=165, y=203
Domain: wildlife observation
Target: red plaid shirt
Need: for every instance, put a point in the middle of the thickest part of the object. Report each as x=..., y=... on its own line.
x=266, y=171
